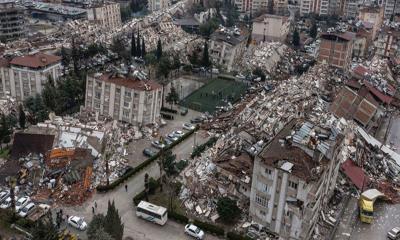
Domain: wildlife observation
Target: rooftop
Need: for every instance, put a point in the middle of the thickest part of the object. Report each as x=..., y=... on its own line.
x=232, y=36
x=132, y=82
x=347, y=36
x=264, y=16
x=36, y=60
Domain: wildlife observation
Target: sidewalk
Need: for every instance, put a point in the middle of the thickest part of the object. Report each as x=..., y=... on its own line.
x=348, y=221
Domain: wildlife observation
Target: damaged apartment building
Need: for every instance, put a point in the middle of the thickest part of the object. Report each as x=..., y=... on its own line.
x=294, y=177
x=131, y=98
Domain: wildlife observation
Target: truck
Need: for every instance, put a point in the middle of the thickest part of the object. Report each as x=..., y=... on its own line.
x=366, y=204
x=40, y=211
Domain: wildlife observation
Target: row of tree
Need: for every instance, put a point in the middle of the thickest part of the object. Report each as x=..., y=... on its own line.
x=106, y=227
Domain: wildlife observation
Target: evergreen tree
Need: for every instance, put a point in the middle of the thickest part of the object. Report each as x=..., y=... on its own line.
x=36, y=108
x=228, y=210
x=138, y=48
x=75, y=57
x=296, y=38
x=113, y=224
x=5, y=131
x=172, y=97
x=45, y=230
x=101, y=234
x=270, y=7
x=22, y=117
x=97, y=223
x=143, y=49
x=164, y=67
x=314, y=30
x=65, y=58
x=159, y=50
x=49, y=94
x=133, y=46
x=205, y=61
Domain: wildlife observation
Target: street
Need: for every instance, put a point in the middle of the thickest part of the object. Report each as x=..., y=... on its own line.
x=134, y=227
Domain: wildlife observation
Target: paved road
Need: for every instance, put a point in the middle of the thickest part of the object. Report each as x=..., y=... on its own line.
x=134, y=227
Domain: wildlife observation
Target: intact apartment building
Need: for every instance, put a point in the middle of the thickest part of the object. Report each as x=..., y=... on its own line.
x=388, y=43
x=319, y=7
x=156, y=5
x=25, y=76
x=128, y=98
x=293, y=178
x=12, y=20
x=251, y=6
x=107, y=14
x=227, y=47
x=270, y=28
x=336, y=49
x=392, y=7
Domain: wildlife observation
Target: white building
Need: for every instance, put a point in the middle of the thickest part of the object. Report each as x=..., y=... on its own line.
x=291, y=182
x=25, y=76
x=107, y=14
x=251, y=6
x=270, y=28
x=392, y=7
x=155, y=5
x=124, y=98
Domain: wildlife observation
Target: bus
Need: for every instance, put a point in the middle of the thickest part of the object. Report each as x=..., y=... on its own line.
x=152, y=213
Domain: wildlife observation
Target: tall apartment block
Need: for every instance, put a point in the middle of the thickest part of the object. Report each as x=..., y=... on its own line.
x=293, y=179
x=336, y=49
x=392, y=7
x=130, y=98
x=107, y=14
x=155, y=5
x=12, y=20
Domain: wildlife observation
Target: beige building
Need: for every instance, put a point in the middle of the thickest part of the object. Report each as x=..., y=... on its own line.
x=25, y=76
x=227, y=47
x=107, y=14
x=155, y=5
x=270, y=28
x=293, y=178
x=12, y=20
x=129, y=98
x=374, y=16
x=251, y=6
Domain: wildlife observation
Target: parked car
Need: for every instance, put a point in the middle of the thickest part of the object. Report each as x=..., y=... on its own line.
x=22, y=202
x=148, y=152
x=197, y=120
x=27, y=209
x=172, y=137
x=167, y=141
x=7, y=203
x=188, y=126
x=394, y=233
x=158, y=144
x=3, y=195
x=77, y=222
x=178, y=133
x=194, y=231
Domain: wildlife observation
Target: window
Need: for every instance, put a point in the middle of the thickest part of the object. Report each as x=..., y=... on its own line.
x=136, y=95
x=126, y=104
x=126, y=113
x=118, y=90
x=127, y=94
x=98, y=84
x=262, y=201
x=268, y=171
x=97, y=95
x=262, y=213
x=292, y=184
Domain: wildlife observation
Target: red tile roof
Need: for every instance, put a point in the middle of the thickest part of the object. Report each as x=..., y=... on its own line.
x=131, y=82
x=36, y=60
x=381, y=96
x=360, y=70
x=355, y=174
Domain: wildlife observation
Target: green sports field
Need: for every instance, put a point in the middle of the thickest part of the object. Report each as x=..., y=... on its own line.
x=215, y=93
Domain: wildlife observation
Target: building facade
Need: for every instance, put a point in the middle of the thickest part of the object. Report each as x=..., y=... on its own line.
x=12, y=21
x=156, y=5
x=108, y=15
x=124, y=98
x=227, y=47
x=251, y=6
x=392, y=8
x=26, y=75
x=270, y=28
x=373, y=16
x=292, y=182
x=336, y=49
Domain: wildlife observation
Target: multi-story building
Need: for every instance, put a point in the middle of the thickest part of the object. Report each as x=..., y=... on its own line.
x=107, y=14
x=25, y=76
x=128, y=98
x=155, y=5
x=336, y=49
x=251, y=6
x=293, y=178
x=12, y=20
x=392, y=8
x=351, y=9
x=388, y=43
x=270, y=28
x=227, y=47
x=372, y=15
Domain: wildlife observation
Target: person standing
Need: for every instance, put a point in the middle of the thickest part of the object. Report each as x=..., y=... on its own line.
x=126, y=188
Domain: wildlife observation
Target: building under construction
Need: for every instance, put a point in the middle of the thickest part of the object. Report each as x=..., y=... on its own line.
x=12, y=20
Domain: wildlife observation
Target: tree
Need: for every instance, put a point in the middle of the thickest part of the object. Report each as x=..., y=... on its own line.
x=259, y=72
x=143, y=49
x=75, y=57
x=172, y=97
x=65, y=58
x=22, y=117
x=49, y=94
x=159, y=50
x=97, y=223
x=228, y=210
x=205, y=60
x=133, y=46
x=70, y=94
x=118, y=47
x=125, y=13
x=101, y=234
x=194, y=58
x=296, y=38
x=36, y=108
x=113, y=224
x=314, y=30
x=138, y=48
x=45, y=229
x=270, y=7
x=146, y=186
x=5, y=131
x=207, y=28
x=164, y=67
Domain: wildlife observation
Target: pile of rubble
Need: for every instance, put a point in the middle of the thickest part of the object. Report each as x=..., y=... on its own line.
x=8, y=105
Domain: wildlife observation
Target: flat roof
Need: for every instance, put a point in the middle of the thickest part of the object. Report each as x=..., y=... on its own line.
x=36, y=60
x=129, y=82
